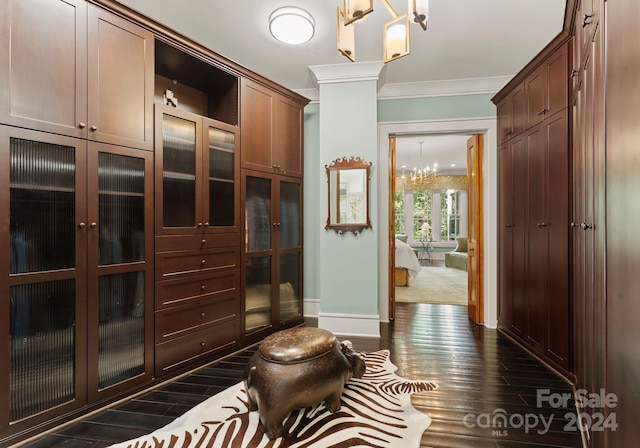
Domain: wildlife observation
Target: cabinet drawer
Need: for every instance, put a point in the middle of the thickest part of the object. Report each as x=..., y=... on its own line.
x=167, y=243
x=184, y=290
x=172, y=264
x=176, y=321
x=190, y=348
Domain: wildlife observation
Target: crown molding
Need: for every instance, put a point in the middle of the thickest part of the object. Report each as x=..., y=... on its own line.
x=352, y=72
x=425, y=89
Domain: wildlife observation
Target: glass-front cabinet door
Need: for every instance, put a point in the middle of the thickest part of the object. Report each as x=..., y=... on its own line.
x=273, y=251
x=198, y=189
x=289, y=227
x=120, y=191
x=43, y=269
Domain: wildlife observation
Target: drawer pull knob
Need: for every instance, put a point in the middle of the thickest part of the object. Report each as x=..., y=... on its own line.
x=203, y=262
x=82, y=125
x=202, y=288
x=202, y=315
x=94, y=127
x=202, y=344
x=203, y=242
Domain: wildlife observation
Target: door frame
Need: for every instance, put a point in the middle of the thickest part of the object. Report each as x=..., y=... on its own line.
x=483, y=125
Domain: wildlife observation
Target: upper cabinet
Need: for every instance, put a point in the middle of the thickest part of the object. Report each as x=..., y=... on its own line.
x=68, y=78
x=546, y=88
x=511, y=115
x=271, y=131
x=197, y=174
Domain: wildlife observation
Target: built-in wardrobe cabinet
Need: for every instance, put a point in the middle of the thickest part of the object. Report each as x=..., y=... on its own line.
x=76, y=259
x=197, y=238
x=68, y=77
x=272, y=141
x=122, y=253
x=272, y=255
x=533, y=195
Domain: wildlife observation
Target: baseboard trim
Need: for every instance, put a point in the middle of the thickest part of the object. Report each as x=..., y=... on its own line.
x=362, y=325
x=311, y=308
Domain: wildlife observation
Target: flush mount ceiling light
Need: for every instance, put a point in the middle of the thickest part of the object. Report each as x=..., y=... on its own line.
x=396, y=32
x=291, y=25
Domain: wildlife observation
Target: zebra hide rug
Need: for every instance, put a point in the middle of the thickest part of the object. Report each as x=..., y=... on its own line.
x=376, y=412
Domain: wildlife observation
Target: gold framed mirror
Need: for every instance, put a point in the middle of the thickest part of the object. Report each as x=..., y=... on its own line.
x=348, y=180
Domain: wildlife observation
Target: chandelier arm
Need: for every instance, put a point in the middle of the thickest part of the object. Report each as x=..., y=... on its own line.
x=392, y=11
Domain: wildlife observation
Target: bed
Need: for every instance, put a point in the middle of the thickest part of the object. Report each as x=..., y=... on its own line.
x=407, y=264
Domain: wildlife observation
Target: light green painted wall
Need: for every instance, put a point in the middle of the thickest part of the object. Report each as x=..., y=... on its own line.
x=313, y=181
x=348, y=262
x=434, y=108
x=341, y=271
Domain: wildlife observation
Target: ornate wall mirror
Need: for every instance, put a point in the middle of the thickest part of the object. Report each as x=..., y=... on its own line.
x=348, y=181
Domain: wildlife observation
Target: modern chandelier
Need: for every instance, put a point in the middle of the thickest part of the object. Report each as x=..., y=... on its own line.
x=419, y=176
x=396, y=35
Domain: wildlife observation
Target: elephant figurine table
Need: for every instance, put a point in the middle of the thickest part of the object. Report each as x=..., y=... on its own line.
x=298, y=368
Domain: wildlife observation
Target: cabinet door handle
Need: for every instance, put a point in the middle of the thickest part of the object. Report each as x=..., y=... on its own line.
x=82, y=125
x=202, y=315
x=202, y=344
x=94, y=127
x=574, y=225
x=82, y=225
x=585, y=20
x=93, y=225
x=202, y=262
x=201, y=287
x=206, y=224
x=574, y=73
x=199, y=224
x=586, y=226
x=203, y=242
x=508, y=225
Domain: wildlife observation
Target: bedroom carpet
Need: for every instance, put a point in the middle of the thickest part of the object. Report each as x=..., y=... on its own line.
x=435, y=284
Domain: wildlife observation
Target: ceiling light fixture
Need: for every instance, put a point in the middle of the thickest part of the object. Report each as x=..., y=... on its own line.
x=396, y=36
x=292, y=25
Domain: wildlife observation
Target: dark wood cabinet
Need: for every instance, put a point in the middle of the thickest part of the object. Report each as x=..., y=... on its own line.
x=534, y=304
x=77, y=263
x=121, y=252
x=120, y=108
x=272, y=256
x=197, y=239
x=511, y=115
x=546, y=88
x=197, y=172
x=67, y=78
x=271, y=130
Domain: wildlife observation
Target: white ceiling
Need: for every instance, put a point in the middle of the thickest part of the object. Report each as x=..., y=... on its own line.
x=465, y=40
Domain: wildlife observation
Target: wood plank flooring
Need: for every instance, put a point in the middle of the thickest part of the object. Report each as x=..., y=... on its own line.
x=480, y=372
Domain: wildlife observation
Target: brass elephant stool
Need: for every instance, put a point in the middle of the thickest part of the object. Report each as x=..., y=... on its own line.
x=298, y=368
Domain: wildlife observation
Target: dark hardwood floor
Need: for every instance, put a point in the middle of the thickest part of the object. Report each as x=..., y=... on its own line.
x=480, y=372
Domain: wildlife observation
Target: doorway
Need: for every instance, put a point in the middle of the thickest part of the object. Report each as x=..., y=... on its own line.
x=485, y=127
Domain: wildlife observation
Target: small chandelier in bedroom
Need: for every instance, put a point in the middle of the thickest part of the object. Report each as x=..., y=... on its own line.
x=421, y=175
x=396, y=32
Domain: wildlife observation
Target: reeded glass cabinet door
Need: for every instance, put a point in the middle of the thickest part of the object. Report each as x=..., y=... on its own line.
x=289, y=228
x=259, y=253
x=120, y=191
x=178, y=153
x=222, y=180
x=42, y=249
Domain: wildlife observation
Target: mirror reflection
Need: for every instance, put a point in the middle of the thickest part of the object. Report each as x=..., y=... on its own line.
x=348, y=181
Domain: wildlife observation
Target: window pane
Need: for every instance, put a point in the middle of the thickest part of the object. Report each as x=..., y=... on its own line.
x=42, y=206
